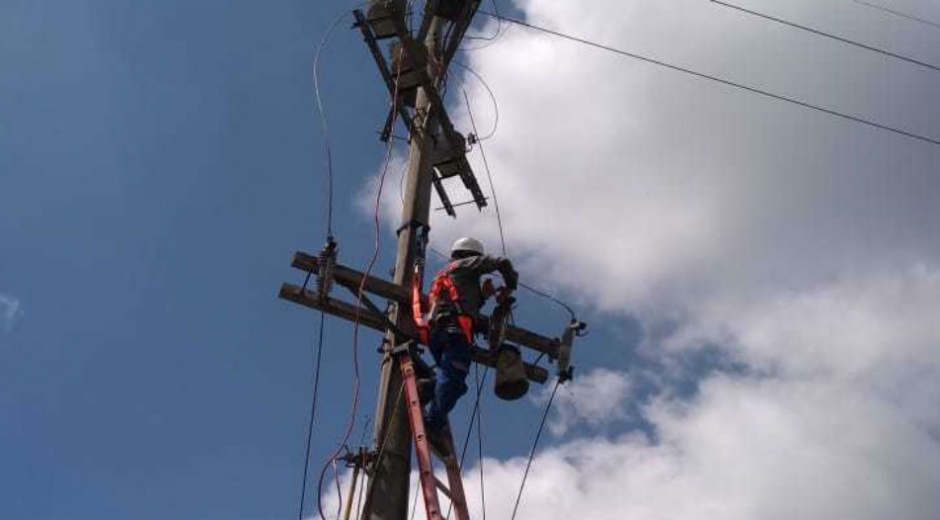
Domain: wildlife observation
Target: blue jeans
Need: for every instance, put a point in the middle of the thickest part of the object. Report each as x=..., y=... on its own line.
x=451, y=353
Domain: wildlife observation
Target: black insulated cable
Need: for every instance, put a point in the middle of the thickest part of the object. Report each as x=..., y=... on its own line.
x=717, y=79
x=826, y=35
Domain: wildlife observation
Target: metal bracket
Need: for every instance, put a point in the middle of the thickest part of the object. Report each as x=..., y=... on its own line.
x=400, y=335
x=437, y=115
x=361, y=457
x=363, y=25
x=403, y=348
x=413, y=224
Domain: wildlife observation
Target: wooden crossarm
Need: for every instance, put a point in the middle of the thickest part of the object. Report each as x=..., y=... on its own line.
x=402, y=296
x=369, y=319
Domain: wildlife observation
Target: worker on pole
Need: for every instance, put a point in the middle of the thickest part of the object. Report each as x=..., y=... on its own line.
x=457, y=294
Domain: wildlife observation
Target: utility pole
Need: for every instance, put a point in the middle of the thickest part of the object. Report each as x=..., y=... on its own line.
x=413, y=75
x=387, y=496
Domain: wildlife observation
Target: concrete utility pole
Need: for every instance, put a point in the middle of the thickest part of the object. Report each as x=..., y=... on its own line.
x=413, y=75
x=387, y=497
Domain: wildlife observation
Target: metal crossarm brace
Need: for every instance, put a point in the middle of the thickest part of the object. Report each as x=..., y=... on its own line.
x=460, y=28
x=429, y=8
x=442, y=194
x=363, y=24
x=437, y=107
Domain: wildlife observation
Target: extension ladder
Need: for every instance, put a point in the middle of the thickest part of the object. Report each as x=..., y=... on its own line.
x=430, y=484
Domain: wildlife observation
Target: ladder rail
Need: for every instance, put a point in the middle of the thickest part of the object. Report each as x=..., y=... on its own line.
x=429, y=482
x=457, y=495
x=422, y=450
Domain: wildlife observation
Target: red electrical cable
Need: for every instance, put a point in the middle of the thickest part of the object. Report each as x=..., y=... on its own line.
x=356, y=381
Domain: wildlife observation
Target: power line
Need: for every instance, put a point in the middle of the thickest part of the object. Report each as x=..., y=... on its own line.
x=489, y=176
x=827, y=35
x=489, y=91
x=489, y=40
x=717, y=79
x=313, y=411
x=324, y=125
x=476, y=375
x=535, y=445
x=359, y=295
x=898, y=13
x=473, y=416
x=327, y=145
x=529, y=288
x=550, y=297
x=499, y=29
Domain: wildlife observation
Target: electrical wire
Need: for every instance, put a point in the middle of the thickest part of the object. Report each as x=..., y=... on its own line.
x=327, y=145
x=473, y=415
x=529, y=288
x=313, y=411
x=359, y=296
x=499, y=27
x=324, y=124
x=375, y=254
x=380, y=452
x=538, y=359
x=898, y=13
x=550, y=297
x=716, y=79
x=489, y=40
x=477, y=412
x=535, y=445
x=489, y=176
x=492, y=98
x=476, y=375
x=826, y=35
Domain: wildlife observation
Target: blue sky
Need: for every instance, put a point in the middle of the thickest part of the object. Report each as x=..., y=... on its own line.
x=760, y=279
x=159, y=162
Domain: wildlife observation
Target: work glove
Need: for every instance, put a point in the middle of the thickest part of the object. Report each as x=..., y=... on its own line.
x=510, y=276
x=487, y=289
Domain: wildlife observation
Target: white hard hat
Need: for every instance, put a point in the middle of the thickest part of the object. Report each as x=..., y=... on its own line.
x=469, y=245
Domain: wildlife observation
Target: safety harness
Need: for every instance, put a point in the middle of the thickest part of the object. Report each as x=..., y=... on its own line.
x=443, y=290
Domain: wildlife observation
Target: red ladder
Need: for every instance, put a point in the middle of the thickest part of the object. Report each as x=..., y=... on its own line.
x=430, y=484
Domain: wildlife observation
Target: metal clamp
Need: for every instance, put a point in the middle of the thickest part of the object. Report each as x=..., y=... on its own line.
x=403, y=348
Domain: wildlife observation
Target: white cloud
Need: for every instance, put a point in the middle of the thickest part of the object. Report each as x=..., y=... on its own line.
x=803, y=246
x=743, y=449
x=595, y=399
x=10, y=311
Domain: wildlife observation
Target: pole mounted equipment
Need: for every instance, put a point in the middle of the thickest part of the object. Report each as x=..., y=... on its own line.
x=413, y=68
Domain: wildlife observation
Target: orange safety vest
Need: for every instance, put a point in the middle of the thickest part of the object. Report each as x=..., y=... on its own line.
x=442, y=287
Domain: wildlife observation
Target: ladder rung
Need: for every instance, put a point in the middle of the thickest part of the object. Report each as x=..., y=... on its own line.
x=443, y=488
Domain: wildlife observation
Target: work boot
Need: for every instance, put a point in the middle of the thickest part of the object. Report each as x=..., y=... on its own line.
x=426, y=390
x=438, y=441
